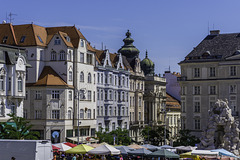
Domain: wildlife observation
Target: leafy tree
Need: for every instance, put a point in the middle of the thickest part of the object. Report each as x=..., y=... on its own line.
x=186, y=139
x=20, y=129
x=155, y=135
x=121, y=136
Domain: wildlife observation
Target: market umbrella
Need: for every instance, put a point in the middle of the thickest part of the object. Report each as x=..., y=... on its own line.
x=189, y=155
x=55, y=148
x=70, y=144
x=135, y=146
x=223, y=152
x=140, y=152
x=124, y=149
x=80, y=149
x=163, y=153
x=150, y=147
x=63, y=147
x=94, y=145
x=104, y=149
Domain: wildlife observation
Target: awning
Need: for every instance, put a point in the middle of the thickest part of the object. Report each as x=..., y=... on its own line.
x=83, y=140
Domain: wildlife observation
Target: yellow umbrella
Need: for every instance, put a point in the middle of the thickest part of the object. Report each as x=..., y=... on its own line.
x=80, y=149
x=189, y=155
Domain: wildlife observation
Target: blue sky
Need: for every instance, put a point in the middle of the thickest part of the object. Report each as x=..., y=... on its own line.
x=168, y=29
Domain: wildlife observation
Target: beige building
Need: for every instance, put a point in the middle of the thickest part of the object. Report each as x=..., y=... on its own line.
x=209, y=72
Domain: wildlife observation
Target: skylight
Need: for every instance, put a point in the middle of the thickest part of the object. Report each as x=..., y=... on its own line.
x=22, y=39
x=40, y=39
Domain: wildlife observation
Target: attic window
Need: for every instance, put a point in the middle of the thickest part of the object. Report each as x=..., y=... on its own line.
x=22, y=39
x=67, y=38
x=57, y=41
x=40, y=39
x=5, y=39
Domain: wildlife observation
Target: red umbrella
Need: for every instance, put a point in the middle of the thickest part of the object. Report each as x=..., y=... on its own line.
x=70, y=144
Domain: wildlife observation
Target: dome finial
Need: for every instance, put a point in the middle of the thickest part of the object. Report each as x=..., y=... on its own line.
x=128, y=34
x=146, y=54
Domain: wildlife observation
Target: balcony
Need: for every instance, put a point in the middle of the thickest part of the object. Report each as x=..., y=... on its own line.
x=183, y=78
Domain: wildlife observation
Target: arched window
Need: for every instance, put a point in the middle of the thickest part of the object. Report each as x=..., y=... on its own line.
x=2, y=83
x=62, y=56
x=123, y=111
x=20, y=84
x=81, y=77
x=82, y=114
x=110, y=95
x=53, y=56
x=89, y=113
x=89, y=78
x=113, y=126
x=69, y=114
x=123, y=81
x=110, y=111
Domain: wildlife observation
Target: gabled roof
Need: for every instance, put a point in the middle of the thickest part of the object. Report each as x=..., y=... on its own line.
x=215, y=47
x=49, y=77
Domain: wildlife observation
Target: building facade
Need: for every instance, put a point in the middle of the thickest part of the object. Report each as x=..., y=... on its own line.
x=61, y=83
x=112, y=91
x=209, y=72
x=13, y=65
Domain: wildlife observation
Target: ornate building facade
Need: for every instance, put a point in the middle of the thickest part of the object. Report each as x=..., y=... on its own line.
x=112, y=91
x=13, y=65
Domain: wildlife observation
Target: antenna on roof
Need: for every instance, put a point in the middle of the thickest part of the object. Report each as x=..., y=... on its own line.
x=169, y=68
x=10, y=16
x=102, y=45
x=208, y=28
x=105, y=47
x=213, y=26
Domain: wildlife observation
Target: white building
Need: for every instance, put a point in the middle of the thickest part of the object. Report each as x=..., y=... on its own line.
x=62, y=68
x=12, y=79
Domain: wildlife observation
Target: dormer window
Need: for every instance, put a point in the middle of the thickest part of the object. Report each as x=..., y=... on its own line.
x=67, y=38
x=57, y=41
x=22, y=39
x=82, y=43
x=5, y=39
x=40, y=39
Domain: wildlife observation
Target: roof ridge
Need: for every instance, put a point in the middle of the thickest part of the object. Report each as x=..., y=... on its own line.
x=34, y=35
x=13, y=33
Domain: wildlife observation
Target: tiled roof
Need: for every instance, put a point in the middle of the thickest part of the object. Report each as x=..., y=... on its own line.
x=216, y=47
x=49, y=77
x=34, y=35
x=172, y=103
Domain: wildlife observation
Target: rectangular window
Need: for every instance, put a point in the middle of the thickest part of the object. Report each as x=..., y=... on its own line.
x=183, y=106
x=70, y=133
x=140, y=116
x=106, y=111
x=70, y=95
x=140, y=101
x=70, y=76
x=197, y=107
x=38, y=95
x=57, y=41
x=82, y=43
x=89, y=59
x=55, y=94
x=24, y=113
x=55, y=114
x=38, y=114
x=1, y=83
x=232, y=89
x=212, y=90
x=212, y=72
x=89, y=95
x=81, y=57
x=197, y=124
x=26, y=95
x=9, y=84
x=197, y=90
x=233, y=71
x=196, y=72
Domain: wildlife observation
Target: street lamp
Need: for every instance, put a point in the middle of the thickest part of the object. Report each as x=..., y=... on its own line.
x=77, y=96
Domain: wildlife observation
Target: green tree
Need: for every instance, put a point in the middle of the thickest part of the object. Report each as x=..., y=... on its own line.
x=121, y=136
x=185, y=138
x=17, y=128
x=155, y=135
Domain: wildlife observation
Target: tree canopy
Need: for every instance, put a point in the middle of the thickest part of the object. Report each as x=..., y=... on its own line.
x=17, y=128
x=121, y=136
x=185, y=138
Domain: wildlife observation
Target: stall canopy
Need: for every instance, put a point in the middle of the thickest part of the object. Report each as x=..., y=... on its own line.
x=150, y=147
x=70, y=144
x=104, y=150
x=185, y=148
x=80, y=149
x=189, y=155
x=166, y=147
x=124, y=149
x=140, y=152
x=204, y=153
x=223, y=152
x=135, y=146
x=163, y=153
x=63, y=147
x=83, y=140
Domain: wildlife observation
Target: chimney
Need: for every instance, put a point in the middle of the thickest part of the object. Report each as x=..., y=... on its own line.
x=214, y=32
